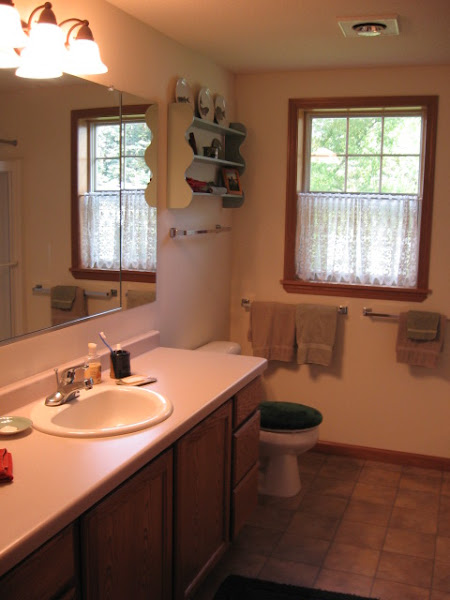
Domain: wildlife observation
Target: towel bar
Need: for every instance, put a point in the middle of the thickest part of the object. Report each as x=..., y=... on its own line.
x=9, y=142
x=174, y=232
x=368, y=312
x=342, y=310
x=41, y=291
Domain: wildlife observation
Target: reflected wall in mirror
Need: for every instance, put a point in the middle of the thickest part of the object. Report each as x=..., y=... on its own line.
x=35, y=203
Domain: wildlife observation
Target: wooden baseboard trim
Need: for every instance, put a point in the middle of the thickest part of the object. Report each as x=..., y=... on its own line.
x=392, y=456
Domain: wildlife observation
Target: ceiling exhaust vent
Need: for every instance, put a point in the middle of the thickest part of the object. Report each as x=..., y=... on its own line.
x=369, y=26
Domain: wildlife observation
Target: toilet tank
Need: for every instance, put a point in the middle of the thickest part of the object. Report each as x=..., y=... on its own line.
x=222, y=347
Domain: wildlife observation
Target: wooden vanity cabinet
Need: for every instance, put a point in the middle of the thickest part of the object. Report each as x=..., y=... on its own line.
x=245, y=452
x=159, y=534
x=126, y=539
x=49, y=573
x=202, y=499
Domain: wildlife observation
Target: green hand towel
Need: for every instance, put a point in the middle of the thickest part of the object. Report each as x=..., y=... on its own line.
x=422, y=325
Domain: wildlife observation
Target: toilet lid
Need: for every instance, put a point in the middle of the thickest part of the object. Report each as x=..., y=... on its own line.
x=288, y=416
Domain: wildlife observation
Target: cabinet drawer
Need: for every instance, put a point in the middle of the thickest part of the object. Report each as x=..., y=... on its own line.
x=45, y=574
x=247, y=401
x=245, y=447
x=244, y=500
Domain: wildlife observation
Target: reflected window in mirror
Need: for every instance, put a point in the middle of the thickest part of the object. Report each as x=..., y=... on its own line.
x=103, y=179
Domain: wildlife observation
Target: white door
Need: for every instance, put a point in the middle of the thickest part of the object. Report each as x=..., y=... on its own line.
x=10, y=268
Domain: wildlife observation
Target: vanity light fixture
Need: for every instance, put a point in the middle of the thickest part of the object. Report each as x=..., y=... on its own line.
x=41, y=50
x=11, y=34
x=83, y=54
x=43, y=55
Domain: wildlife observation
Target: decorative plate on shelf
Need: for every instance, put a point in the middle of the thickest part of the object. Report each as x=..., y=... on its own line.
x=205, y=105
x=220, y=111
x=183, y=92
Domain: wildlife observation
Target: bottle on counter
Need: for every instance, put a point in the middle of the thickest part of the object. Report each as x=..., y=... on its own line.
x=94, y=368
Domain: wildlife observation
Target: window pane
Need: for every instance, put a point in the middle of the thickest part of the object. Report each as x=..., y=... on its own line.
x=402, y=135
x=363, y=174
x=136, y=173
x=327, y=174
x=400, y=175
x=107, y=174
x=328, y=135
x=106, y=140
x=364, y=135
x=136, y=138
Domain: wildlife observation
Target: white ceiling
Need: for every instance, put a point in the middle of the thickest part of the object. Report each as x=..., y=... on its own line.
x=265, y=35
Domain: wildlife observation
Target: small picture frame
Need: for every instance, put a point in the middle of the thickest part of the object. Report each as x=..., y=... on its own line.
x=231, y=181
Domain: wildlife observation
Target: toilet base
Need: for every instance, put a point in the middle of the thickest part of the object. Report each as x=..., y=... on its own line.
x=280, y=476
x=279, y=452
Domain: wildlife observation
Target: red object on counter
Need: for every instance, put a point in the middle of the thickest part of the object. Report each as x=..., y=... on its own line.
x=6, y=465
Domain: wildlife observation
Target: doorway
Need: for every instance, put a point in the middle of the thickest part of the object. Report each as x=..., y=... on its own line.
x=11, y=304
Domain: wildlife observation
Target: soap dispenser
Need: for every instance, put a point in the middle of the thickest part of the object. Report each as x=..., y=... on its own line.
x=94, y=368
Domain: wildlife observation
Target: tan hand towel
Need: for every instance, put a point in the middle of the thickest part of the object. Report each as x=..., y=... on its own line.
x=272, y=330
x=419, y=353
x=316, y=331
x=78, y=310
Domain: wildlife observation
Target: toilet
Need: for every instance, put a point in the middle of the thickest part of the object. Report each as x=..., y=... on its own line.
x=222, y=347
x=287, y=430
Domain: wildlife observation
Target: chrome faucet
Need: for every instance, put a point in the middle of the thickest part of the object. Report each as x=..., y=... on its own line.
x=67, y=387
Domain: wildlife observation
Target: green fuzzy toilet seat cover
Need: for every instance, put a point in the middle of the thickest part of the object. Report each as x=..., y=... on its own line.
x=288, y=415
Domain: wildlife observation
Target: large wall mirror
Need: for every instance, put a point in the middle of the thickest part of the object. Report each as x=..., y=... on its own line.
x=39, y=286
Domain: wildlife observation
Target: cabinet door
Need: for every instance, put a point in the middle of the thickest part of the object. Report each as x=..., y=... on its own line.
x=127, y=538
x=46, y=574
x=202, y=501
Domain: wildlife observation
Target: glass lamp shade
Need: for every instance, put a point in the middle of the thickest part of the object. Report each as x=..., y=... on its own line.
x=83, y=58
x=44, y=55
x=9, y=59
x=11, y=32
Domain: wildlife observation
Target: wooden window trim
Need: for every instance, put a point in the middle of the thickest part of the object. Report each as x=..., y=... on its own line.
x=77, y=271
x=289, y=281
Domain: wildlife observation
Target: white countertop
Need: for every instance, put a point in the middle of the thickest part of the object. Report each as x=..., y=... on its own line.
x=56, y=479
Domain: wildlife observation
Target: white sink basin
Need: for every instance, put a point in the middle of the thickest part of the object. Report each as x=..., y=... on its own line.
x=104, y=410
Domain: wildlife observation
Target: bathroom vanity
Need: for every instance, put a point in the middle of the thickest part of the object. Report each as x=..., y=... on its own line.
x=142, y=515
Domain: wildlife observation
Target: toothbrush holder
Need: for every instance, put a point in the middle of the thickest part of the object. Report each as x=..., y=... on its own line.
x=120, y=364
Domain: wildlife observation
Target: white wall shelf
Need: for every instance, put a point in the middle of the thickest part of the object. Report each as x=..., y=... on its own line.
x=183, y=162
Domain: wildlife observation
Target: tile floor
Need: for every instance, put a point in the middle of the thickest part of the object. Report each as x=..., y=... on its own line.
x=375, y=529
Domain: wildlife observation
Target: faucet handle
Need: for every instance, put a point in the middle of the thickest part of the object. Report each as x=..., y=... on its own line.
x=68, y=374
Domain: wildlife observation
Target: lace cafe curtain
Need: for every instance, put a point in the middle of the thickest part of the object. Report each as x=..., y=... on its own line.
x=365, y=239
x=100, y=231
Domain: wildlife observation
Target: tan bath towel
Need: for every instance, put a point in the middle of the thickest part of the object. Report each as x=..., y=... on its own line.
x=415, y=352
x=75, y=309
x=272, y=330
x=316, y=332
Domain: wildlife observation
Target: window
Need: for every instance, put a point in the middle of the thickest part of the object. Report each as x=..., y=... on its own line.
x=359, y=196
x=103, y=178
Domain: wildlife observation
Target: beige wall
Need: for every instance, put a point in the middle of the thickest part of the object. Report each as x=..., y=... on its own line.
x=366, y=398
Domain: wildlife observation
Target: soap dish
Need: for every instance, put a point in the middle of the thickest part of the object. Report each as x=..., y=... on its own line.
x=136, y=380
x=13, y=425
